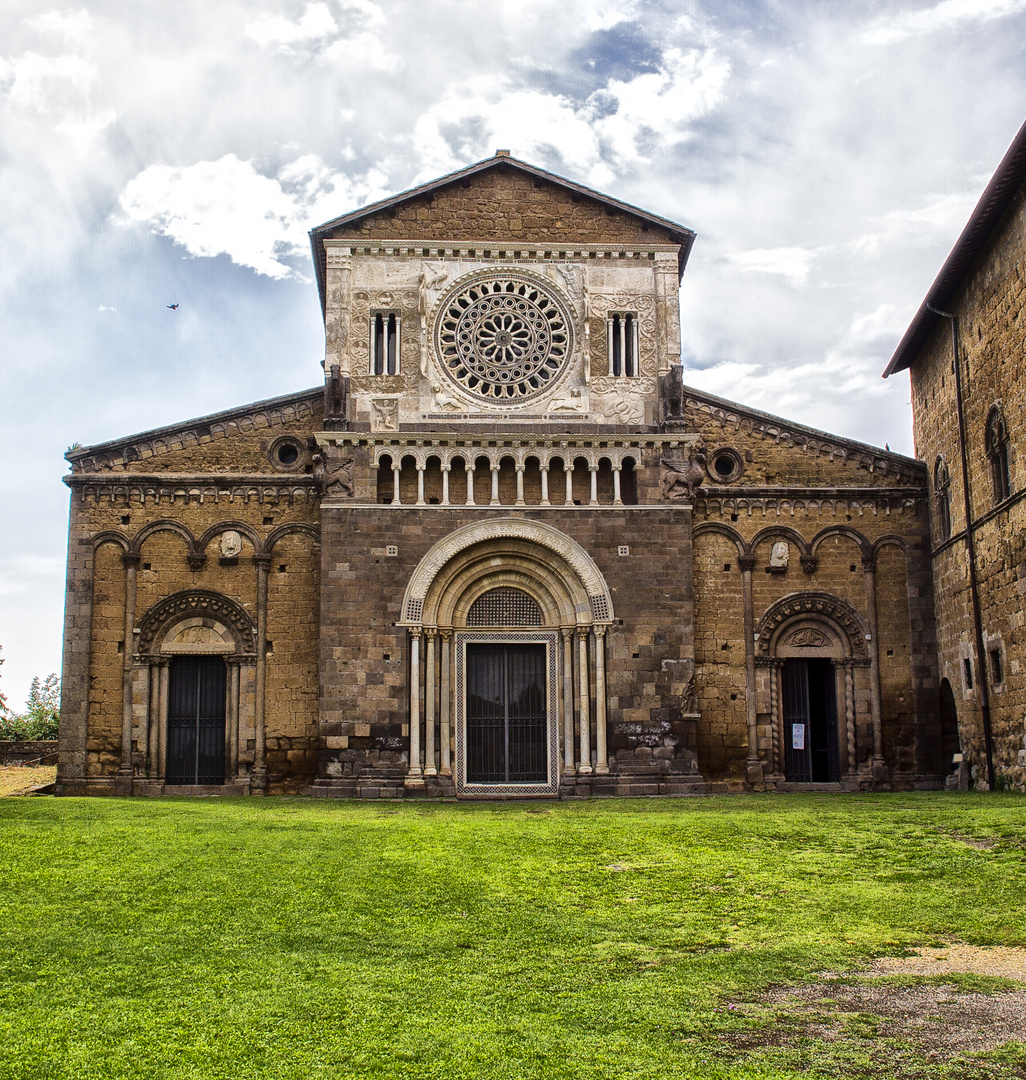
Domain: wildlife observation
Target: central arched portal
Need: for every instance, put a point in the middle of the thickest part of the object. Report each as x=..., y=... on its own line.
x=507, y=620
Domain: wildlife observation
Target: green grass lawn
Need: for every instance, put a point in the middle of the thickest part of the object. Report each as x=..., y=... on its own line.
x=293, y=938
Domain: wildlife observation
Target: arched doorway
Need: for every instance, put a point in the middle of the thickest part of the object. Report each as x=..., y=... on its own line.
x=814, y=646
x=507, y=621
x=195, y=670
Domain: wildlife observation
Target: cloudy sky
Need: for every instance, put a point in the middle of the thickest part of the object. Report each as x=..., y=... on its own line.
x=826, y=153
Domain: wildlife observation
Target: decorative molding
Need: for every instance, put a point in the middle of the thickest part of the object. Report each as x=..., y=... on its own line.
x=817, y=605
x=194, y=603
x=507, y=528
x=173, y=490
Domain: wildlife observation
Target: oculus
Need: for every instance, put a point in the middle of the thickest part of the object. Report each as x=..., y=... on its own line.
x=503, y=339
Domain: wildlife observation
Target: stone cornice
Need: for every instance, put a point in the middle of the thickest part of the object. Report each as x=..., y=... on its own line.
x=176, y=488
x=512, y=439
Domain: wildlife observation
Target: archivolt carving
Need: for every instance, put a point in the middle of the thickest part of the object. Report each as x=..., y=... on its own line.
x=508, y=528
x=195, y=602
x=815, y=604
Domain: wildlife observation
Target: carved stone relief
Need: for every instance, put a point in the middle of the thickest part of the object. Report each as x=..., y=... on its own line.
x=807, y=639
x=780, y=555
x=384, y=414
x=681, y=476
x=333, y=475
x=231, y=544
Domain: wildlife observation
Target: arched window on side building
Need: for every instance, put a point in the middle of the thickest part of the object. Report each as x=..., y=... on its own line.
x=996, y=446
x=942, y=496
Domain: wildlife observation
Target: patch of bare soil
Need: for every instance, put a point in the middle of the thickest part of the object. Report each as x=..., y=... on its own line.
x=23, y=779
x=924, y=1022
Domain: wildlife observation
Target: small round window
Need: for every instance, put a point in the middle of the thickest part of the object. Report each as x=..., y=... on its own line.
x=287, y=454
x=724, y=465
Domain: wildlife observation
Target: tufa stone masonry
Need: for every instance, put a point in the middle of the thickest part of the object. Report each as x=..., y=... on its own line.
x=503, y=550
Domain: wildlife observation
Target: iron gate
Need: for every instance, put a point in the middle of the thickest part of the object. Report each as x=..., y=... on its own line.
x=507, y=723
x=196, y=721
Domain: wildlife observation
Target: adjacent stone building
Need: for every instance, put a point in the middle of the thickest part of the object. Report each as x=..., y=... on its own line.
x=503, y=550
x=965, y=351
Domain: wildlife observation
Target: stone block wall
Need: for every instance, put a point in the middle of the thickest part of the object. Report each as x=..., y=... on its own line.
x=992, y=342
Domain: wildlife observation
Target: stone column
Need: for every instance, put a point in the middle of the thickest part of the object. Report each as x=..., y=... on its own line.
x=848, y=669
x=593, y=469
x=396, y=470
x=544, y=485
x=126, y=770
x=617, y=501
x=754, y=766
x=495, y=485
x=471, y=468
x=776, y=719
x=146, y=733
x=568, y=477
x=234, y=679
x=520, y=485
x=162, y=704
x=430, y=632
x=420, y=483
x=879, y=767
x=601, y=762
x=414, y=774
x=446, y=704
x=445, y=484
x=568, y=701
x=259, y=780
x=584, y=687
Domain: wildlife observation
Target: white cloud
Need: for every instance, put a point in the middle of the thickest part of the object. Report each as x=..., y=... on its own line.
x=227, y=207
x=595, y=139
x=604, y=18
x=944, y=16
x=70, y=25
x=45, y=83
x=661, y=104
x=791, y=263
x=920, y=222
x=316, y=22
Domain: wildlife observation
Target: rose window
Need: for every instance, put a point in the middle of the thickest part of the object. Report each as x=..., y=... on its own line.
x=504, y=339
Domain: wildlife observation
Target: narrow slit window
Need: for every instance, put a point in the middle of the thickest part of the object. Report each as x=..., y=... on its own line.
x=997, y=671
x=967, y=667
x=384, y=343
x=623, y=344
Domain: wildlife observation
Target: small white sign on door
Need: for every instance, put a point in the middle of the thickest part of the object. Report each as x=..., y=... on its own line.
x=798, y=737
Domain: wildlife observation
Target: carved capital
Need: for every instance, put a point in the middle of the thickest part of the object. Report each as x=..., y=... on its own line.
x=746, y=563
x=810, y=563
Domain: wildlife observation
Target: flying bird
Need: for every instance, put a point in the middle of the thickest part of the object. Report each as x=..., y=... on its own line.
x=173, y=307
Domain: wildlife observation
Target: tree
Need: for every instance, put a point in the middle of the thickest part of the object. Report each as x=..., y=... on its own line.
x=3, y=696
x=42, y=712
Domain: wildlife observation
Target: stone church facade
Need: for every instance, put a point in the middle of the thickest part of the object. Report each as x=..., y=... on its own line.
x=965, y=353
x=503, y=550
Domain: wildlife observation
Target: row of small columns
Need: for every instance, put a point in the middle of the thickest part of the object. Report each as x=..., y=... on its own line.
x=567, y=470
x=438, y=704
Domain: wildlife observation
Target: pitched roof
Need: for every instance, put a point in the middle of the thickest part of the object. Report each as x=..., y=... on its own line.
x=684, y=236
x=995, y=200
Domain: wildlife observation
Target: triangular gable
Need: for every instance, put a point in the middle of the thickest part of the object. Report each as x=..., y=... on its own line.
x=346, y=225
